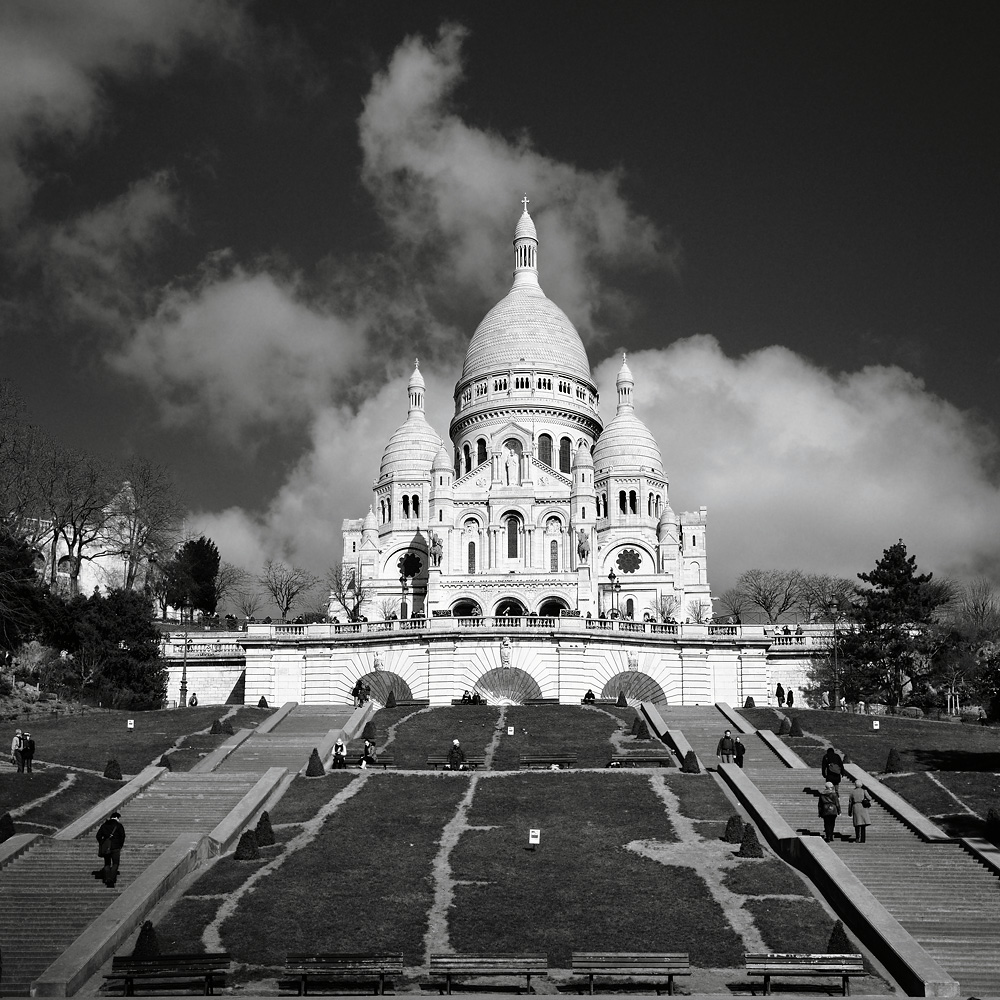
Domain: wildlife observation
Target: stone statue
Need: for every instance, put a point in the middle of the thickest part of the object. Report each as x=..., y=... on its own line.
x=633, y=661
x=377, y=665
x=513, y=467
x=437, y=549
x=505, y=652
x=582, y=545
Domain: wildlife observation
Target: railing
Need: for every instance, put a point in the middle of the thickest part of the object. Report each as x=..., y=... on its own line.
x=175, y=650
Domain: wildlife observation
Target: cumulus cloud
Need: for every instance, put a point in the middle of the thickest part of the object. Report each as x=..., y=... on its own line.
x=801, y=467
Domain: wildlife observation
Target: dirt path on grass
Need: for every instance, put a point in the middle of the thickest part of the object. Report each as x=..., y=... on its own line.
x=944, y=788
x=709, y=858
x=212, y=935
x=67, y=781
x=390, y=733
x=498, y=731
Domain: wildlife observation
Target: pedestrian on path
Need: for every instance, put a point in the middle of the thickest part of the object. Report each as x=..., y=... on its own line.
x=789, y=698
x=739, y=751
x=27, y=750
x=726, y=748
x=858, y=805
x=829, y=809
x=17, y=752
x=110, y=840
x=779, y=694
x=832, y=766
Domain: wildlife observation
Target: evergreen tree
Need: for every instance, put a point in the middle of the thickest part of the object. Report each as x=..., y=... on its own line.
x=21, y=596
x=191, y=576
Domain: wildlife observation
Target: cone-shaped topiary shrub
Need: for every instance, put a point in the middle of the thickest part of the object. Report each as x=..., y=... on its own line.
x=164, y=761
x=690, y=765
x=734, y=830
x=369, y=730
x=262, y=703
x=749, y=703
x=635, y=726
x=6, y=827
x=390, y=702
x=314, y=769
x=227, y=727
x=621, y=702
x=247, y=849
x=750, y=845
x=113, y=771
x=992, y=825
x=796, y=729
x=147, y=945
x=785, y=728
x=265, y=835
x=642, y=730
x=839, y=944
x=217, y=729
x=893, y=762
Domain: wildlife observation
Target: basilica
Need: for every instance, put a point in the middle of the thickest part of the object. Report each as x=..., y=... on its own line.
x=535, y=508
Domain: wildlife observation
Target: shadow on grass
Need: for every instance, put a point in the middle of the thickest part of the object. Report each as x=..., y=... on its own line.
x=955, y=760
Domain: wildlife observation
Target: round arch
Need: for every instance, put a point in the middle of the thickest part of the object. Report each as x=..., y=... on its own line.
x=507, y=686
x=509, y=606
x=609, y=560
x=382, y=682
x=466, y=607
x=550, y=607
x=635, y=685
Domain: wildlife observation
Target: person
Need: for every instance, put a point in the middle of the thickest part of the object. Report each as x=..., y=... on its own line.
x=739, y=751
x=16, y=755
x=466, y=697
x=356, y=692
x=193, y=700
x=368, y=755
x=110, y=840
x=366, y=693
x=27, y=750
x=779, y=693
x=829, y=809
x=832, y=766
x=339, y=755
x=589, y=698
x=858, y=805
x=456, y=757
x=982, y=716
x=789, y=699
x=724, y=751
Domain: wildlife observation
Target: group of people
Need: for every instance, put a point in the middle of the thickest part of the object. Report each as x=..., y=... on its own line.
x=784, y=700
x=858, y=803
x=473, y=698
x=731, y=749
x=368, y=757
x=22, y=751
x=361, y=692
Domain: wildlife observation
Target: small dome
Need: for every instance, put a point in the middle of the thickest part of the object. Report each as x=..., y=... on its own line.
x=626, y=444
x=668, y=516
x=582, y=459
x=370, y=522
x=442, y=462
x=416, y=379
x=411, y=449
x=525, y=227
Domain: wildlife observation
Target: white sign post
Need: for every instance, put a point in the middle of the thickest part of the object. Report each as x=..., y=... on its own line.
x=131, y=724
x=875, y=723
x=510, y=730
x=534, y=839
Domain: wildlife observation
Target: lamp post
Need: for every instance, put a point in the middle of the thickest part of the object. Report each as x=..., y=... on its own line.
x=834, y=615
x=184, y=673
x=615, y=588
x=402, y=607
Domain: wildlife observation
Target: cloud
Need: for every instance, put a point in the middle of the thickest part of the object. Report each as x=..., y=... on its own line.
x=801, y=467
x=52, y=58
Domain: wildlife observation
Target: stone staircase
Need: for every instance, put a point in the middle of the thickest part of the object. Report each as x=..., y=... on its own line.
x=703, y=728
x=942, y=896
x=261, y=752
x=313, y=720
x=48, y=896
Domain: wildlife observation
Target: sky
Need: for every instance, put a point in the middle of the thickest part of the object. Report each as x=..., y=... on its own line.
x=228, y=229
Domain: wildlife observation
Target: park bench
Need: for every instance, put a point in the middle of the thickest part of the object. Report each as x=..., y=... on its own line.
x=547, y=759
x=337, y=972
x=383, y=758
x=844, y=966
x=461, y=967
x=204, y=974
x=472, y=760
x=541, y=701
x=659, y=966
x=644, y=758
x=479, y=704
x=599, y=701
x=414, y=703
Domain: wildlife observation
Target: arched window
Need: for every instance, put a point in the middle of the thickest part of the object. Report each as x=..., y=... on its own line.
x=622, y=502
x=657, y=504
x=416, y=505
x=564, y=446
x=406, y=506
x=630, y=608
x=633, y=503
x=649, y=505
x=512, y=526
x=458, y=463
x=545, y=450
x=472, y=557
x=602, y=505
x=553, y=556
x=480, y=451
x=468, y=458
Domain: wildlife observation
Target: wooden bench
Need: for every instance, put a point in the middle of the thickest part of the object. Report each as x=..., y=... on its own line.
x=479, y=704
x=414, y=703
x=541, y=701
x=844, y=966
x=647, y=758
x=204, y=974
x=547, y=759
x=383, y=759
x=633, y=966
x=467, y=966
x=472, y=761
x=334, y=973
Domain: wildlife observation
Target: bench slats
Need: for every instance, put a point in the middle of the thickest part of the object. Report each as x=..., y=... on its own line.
x=640, y=964
x=791, y=964
x=204, y=973
x=487, y=965
x=546, y=759
x=343, y=967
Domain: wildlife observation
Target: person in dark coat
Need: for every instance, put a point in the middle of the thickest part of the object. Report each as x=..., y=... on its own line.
x=456, y=757
x=789, y=699
x=726, y=748
x=17, y=751
x=110, y=840
x=829, y=809
x=858, y=805
x=739, y=751
x=779, y=693
x=27, y=750
x=832, y=766
x=368, y=755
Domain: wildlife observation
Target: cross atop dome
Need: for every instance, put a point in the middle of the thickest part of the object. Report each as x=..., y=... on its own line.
x=525, y=200
x=525, y=249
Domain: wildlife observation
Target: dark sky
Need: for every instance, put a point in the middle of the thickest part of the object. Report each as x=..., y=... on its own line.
x=823, y=178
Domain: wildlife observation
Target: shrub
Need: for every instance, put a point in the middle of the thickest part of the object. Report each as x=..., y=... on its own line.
x=839, y=944
x=785, y=728
x=796, y=729
x=750, y=845
x=749, y=703
x=164, y=761
x=912, y=712
x=227, y=727
x=640, y=730
x=147, y=945
x=217, y=729
x=113, y=771
x=265, y=835
x=690, y=765
x=992, y=825
x=893, y=763
x=390, y=702
x=734, y=830
x=369, y=731
x=621, y=702
x=7, y=827
x=262, y=703
x=247, y=849
x=315, y=769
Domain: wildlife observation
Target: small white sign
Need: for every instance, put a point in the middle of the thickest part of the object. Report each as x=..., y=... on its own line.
x=131, y=723
x=510, y=730
x=534, y=836
x=875, y=723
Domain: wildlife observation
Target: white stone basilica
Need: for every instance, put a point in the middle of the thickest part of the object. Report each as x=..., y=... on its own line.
x=537, y=508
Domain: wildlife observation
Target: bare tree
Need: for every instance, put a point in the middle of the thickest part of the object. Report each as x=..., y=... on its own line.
x=699, y=611
x=348, y=589
x=735, y=603
x=247, y=600
x=387, y=607
x=774, y=591
x=229, y=580
x=826, y=598
x=665, y=606
x=286, y=584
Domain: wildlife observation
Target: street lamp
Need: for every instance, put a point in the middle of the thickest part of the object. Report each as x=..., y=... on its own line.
x=834, y=615
x=184, y=673
x=615, y=588
x=402, y=607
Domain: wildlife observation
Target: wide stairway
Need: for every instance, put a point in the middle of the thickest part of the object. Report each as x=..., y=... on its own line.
x=944, y=898
x=703, y=728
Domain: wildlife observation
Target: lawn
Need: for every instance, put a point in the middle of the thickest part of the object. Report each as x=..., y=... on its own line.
x=789, y=925
x=306, y=796
x=555, y=729
x=979, y=790
x=770, y=877
x=17, y=789
x=199, y=745
x=432, y=731
x=86, y=791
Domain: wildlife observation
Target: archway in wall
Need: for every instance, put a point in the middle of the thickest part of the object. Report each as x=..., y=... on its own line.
x=510, y=606
x=636, y=687
x=466, y=608
x=507, y=686
x=384, y=681
x=551, y=607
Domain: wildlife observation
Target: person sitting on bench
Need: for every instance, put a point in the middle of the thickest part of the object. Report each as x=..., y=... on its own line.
x=456, y=757
x=339, y=755
x=368, y=755
x=589, y=698
x=466, y=697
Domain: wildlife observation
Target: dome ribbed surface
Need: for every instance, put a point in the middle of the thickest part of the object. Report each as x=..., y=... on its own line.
x=442, y=462
x=583, y=459
x=411, y=449
x=370, y=520
x=626, y=444
x=525, y=227
x=525, y=329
